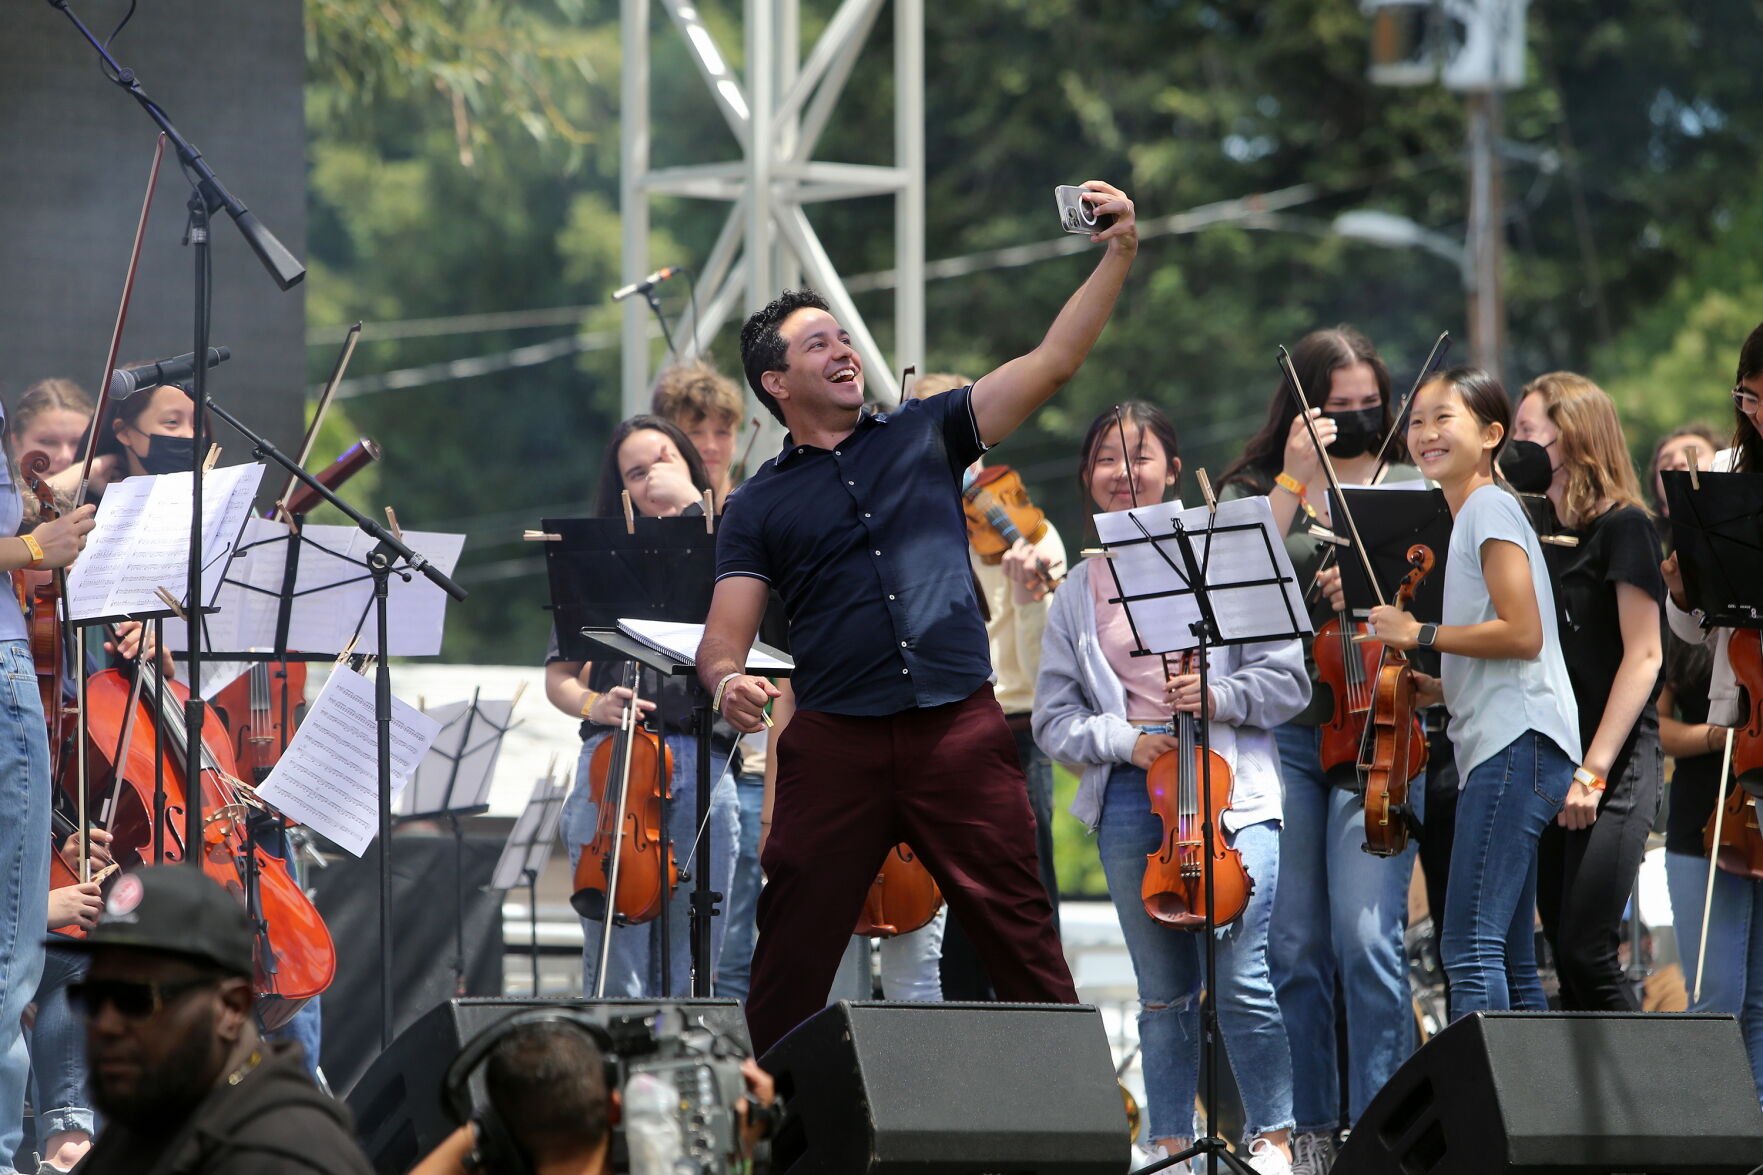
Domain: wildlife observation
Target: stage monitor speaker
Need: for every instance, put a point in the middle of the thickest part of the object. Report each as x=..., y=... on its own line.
x=949, y=1089
x=397, y=1102
x=1555, y=1093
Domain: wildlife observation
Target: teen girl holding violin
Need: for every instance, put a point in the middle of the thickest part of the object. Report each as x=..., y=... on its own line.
x=1608, y=585
x=1502, y=671
x=653, y=460
x=1341, y=912
x=1099, y=706
x=1733, y=973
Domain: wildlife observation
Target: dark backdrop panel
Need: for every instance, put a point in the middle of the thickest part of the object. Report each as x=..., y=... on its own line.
x=77, y=149
x=424, y=876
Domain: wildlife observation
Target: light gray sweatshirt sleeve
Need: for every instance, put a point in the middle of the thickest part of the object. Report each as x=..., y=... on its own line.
x=1266, y=687
x=1069, y=724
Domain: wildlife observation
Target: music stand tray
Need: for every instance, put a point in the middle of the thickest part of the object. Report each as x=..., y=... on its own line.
x=1391, y=519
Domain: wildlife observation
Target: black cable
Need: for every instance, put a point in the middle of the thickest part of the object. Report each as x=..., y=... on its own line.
x=103, y=67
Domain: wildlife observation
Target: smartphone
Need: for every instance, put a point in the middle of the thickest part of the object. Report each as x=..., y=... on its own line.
x=1075, y=213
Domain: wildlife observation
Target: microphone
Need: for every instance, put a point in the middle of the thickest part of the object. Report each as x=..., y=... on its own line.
x=647, y=284
x=129, y=380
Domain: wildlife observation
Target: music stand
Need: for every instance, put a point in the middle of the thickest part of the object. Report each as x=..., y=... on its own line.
x=453, y=781
x=605, y=569
x=528, y=850
x=1391, y=519
x=1197, y=579
x=1717, y=531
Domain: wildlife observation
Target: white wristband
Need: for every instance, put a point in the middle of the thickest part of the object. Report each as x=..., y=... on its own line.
x=716, y=697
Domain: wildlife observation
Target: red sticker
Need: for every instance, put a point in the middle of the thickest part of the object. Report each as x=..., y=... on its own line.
x=125, y=895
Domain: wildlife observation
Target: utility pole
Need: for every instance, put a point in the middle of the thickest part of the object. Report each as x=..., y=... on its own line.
x=1486, y=235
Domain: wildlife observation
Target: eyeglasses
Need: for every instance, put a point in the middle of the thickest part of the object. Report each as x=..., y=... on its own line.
x=133, y=999
x=1745, y=399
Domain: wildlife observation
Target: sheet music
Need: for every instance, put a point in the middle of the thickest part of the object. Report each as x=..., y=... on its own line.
x=535, y=832
x=333, y=593
x=328, y=777
x=1235, y=563
x=680, y=641
x=142, y=536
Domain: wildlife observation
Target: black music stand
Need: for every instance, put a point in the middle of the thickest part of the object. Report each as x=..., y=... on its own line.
x=1392, y=519
x=453, y=782
x=603, y=570
x=528, y=849
x=1717, y=531
x=1227, y=581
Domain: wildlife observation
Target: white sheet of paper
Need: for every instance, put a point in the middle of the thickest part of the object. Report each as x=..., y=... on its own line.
x=535, y=832
x=681, y=641
x=333, y=595
x=1243, y=612
x=328, y=777
x=142, y=538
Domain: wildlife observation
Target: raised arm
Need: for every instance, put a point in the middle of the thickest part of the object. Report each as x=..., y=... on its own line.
x=735, y=611
x=1004, y=399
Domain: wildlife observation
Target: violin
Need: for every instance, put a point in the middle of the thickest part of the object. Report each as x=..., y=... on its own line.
x=623, y=868
x=1740, y=844
x=1174, y=891
x=903, y=897
x=1394, y=750
x=49, y=647
x=1348, y=664
x=132, y=741
x=999, y=514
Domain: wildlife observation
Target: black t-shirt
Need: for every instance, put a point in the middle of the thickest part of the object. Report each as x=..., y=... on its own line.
x=1619, y=546
x=1695, y=779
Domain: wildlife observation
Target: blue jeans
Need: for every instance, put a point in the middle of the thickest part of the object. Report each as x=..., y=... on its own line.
x=1489, y=946
x=1170, y=971
x=1733, y=972
x=24, y=877
x=58, y=1050
x=910, y=968
x=735, y=970
x=634, y=967
x=1340, y=912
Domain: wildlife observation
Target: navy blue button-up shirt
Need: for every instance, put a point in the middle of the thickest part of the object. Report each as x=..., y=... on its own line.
x=867, y=544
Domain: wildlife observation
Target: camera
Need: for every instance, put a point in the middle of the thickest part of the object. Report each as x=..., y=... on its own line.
x=1075, y=213
x=680, y=1087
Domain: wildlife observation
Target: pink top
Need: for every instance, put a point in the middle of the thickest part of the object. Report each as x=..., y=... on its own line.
x=1142, y=676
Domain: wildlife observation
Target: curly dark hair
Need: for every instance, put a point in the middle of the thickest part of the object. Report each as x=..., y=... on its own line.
x=763, y=349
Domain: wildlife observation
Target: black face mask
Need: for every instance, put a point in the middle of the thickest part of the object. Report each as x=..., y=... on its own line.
x=168, y=454
x=1359, y=431
x=1526, y=467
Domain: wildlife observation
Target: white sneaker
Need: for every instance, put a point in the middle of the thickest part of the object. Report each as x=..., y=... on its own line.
x=1313, y=1153
x=1157, y=1152
x=1268, y=1159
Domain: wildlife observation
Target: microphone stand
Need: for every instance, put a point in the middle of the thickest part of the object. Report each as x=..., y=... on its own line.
x=389, y=557
x=209, y=196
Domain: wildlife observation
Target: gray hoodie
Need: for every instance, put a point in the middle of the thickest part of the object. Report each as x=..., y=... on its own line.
x=1080, y=707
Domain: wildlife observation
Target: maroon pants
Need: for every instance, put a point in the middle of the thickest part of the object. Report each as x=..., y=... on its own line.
x=945, y=780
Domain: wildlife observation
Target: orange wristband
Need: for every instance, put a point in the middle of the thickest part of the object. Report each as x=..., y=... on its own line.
x=36, y=550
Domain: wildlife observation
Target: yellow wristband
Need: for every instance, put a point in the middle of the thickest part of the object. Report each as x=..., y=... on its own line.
x=1583, y=776
x=594, y=695
x=36, y=550
x=1290, y=485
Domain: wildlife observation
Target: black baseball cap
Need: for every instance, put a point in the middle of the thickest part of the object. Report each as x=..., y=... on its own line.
x=176, y=910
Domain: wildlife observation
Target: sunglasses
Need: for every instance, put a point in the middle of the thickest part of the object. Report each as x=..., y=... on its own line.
x=133, y=999
x=1745, y=399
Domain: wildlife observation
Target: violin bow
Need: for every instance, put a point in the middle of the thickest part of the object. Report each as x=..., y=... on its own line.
x=324, y=403
x=99, y=413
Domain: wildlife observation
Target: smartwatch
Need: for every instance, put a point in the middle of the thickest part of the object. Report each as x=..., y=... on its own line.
x=1428, y=634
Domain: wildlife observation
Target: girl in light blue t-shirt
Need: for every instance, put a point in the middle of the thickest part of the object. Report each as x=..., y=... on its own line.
x=1514, y=724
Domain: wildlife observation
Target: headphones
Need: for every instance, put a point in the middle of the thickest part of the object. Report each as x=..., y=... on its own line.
x=495, y=1148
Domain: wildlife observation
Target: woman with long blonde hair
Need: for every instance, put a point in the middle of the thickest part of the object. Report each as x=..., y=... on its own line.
x=1608, y=585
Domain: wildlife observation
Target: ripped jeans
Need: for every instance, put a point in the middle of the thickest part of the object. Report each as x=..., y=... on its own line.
x=1171, y=971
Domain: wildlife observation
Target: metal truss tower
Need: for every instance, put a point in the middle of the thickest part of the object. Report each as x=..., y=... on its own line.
x=777, y=114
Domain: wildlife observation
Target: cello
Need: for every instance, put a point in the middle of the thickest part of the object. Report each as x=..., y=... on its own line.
x=295, y=956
